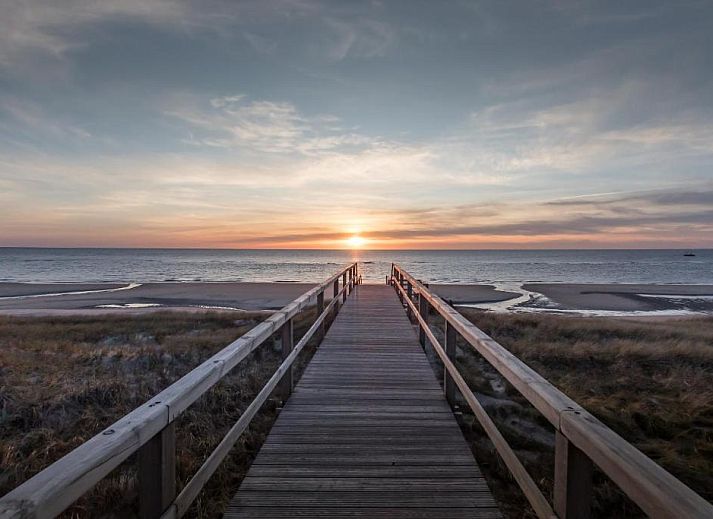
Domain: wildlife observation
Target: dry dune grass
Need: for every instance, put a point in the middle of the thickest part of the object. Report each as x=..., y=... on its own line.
x=652, y=382
x=62, y=380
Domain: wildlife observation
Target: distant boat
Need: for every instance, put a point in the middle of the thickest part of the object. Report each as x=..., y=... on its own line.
x=689, y=254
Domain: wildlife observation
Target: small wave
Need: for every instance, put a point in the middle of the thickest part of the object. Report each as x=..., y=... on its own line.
x=681, y=297
x=129, y=305
x=74, y=293
x=215, y=307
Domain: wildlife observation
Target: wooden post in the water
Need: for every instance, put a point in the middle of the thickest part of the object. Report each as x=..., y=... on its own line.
x=449, y=385
x=157, y=473
x=573, y=480
x=287, y=345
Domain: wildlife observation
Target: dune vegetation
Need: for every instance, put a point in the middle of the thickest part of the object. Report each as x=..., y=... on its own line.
x=62, y=380
x=650, y=381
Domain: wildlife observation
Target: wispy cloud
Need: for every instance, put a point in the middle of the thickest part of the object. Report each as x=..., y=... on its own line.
x=267, y=126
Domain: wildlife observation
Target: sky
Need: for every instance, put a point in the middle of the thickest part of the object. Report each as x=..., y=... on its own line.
x=304, y=123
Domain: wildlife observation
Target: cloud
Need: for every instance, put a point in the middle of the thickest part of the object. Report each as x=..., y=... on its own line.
x=39, y=29
x=29, y=118
x=263, y=126
x=261, y=44
x=358, y=38
x=701, y=196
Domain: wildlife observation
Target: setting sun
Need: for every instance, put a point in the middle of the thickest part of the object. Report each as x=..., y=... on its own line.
x=355, y=242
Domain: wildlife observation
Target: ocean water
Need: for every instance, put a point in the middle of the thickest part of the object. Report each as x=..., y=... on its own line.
x=501, y=267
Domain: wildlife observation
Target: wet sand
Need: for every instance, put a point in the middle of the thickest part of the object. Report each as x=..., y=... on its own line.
x=472, y=294
x=242, y=296
x=623, y=297
x=26, y=299
x=108, y=298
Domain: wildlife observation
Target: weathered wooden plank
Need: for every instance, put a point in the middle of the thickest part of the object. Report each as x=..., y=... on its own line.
x=437, y=498
x=366, y=471
x=367, y=431
x=370, y=484
x=341, y=512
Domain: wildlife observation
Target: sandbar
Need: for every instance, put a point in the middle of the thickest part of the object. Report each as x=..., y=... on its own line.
x=623, y=297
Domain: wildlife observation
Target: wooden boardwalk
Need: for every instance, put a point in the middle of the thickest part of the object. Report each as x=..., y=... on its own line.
x=367, y=431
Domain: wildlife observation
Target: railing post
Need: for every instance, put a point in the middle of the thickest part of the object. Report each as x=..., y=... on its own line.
x=344, y=286
x=449, y=386
x=423, y=308
x=320, y=309
x=157, y=473
x=287, y=345
x=335, y=309
x=573, y=480
x=409, y=292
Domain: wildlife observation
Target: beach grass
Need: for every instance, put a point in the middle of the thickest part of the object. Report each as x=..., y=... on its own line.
x=650, y=381
x=63, y=380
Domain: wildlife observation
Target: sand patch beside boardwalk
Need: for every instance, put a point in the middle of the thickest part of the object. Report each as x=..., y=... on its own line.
x=186, y=296
x=623, y=297
x=244, y=296
x=110, y=298
x=472, y=294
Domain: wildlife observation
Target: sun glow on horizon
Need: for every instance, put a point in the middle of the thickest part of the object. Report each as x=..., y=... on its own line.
x=355, y=242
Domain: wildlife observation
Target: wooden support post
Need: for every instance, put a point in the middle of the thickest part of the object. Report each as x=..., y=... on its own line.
x=320, y=309
x=157, y=473
x=344, y=284
x=409, y=292
x=449, y=386
x=287, y=345
x=423, y=310
x=335, y=309
x=573, y=480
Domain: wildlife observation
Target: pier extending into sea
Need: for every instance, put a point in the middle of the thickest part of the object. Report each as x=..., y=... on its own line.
x=368, y=430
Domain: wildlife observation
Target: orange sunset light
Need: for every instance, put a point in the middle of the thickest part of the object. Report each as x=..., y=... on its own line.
x=355, y=242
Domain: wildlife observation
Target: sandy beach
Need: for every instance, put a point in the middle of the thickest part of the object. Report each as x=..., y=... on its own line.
x=68, y=298
x=624, y=297
x=111, y=298
x=81, y=298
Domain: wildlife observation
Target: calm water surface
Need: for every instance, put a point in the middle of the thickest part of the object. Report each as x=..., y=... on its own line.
x=147, y=265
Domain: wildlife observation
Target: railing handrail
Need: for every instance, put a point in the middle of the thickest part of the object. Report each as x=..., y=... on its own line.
x=656, y=491
x=52, y=490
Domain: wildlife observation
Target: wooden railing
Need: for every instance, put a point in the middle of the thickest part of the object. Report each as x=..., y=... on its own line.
x=149, y=430
x=581, y=441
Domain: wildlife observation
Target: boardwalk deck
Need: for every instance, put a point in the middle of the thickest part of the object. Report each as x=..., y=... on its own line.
x=367, y=431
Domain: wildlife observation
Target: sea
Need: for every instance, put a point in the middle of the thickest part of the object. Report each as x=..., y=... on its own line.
x=502, y=268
